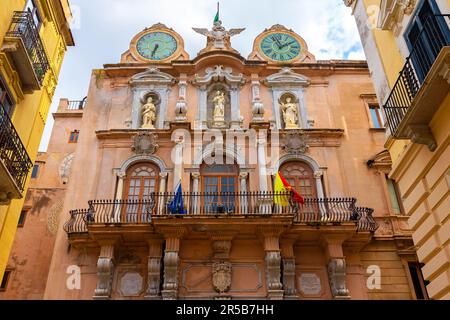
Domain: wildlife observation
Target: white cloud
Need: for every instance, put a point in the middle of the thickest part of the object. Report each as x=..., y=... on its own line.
x=105, y=28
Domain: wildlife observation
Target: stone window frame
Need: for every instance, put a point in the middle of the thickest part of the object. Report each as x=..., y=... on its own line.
x=370, y=100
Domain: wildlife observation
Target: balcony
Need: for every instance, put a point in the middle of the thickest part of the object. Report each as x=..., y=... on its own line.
x=203, y=207
x=23, y=44
x=14, y=161
x=422, y=85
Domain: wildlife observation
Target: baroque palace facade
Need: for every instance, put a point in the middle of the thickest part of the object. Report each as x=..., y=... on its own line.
x=407, y=44
x=34, y=37
x=223, y=126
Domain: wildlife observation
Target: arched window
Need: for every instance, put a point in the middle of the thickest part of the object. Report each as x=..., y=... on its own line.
x=142, y=180
x=221, y=182
x=301, y=177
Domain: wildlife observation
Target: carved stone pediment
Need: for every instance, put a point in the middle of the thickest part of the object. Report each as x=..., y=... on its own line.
x=392, y=13
x=145, y=143
x=219, y=74
x=152, y=76
x=286, y=77
x=295, y=143
x=221, y=276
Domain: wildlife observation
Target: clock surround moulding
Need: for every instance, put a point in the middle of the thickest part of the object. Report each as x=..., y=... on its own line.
x=133, y=55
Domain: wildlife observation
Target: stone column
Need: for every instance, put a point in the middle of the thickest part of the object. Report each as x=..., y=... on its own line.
x=318, y=176
x=202, y=108
x=171, y=262
x=154, y=269
x=273, y=263
x=336, y=265
x=235, y=110
x=105, y=270
x=119, y=195
x=162, y=189
x=195, y=191
x=288, y=259
x=262, y=163
x=320, y=194
x=243, y=201
x=264, y=202
x=178, y=161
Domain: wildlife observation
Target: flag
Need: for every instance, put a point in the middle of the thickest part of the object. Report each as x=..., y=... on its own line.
x=216, y=19
x=283, y=187
x=176, y=206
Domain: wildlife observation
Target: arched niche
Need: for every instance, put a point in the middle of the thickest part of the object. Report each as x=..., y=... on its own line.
x=156, y=100
x=212, y=91
x=150, y=81
x=286, y=98
x=287, y=81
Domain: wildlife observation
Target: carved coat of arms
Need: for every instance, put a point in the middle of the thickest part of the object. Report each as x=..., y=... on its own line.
x=222, y=276
x=295, y=143
x=145, y=143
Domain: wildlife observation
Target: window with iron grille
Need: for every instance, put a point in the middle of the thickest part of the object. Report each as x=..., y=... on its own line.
x=5, y=99
x=32, y=8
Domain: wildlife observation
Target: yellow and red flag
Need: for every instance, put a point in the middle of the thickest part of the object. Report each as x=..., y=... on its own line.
x=283, y=187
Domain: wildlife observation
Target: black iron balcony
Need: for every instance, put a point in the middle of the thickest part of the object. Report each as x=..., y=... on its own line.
x=76, y=104
x=14, y=161
x=23, y=43
x=431, y=40
x=313, y=211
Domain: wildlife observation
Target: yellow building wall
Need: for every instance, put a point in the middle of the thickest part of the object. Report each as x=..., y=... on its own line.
x=31, y=110
x=424, y=182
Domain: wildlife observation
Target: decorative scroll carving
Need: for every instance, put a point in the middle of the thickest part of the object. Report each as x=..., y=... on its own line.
x=273, y=262
x=145, y=143
x=154, y=277
x=219, y=74
x=337, y=275
x=105, y=272
x=295, y=143
x=170, y=287
x=221, y=276
x=289, y=277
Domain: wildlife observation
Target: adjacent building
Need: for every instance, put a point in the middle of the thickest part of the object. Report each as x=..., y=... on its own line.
x=168, y=192
x=407, y=44
x=34, y=37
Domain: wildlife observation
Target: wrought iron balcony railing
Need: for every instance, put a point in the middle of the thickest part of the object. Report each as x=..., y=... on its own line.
x=13, y=154
x=431, y=39
x=119, y=212
x=76, y=105
x=23, y=27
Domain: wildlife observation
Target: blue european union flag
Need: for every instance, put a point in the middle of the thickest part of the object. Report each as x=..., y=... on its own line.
x=176, y=206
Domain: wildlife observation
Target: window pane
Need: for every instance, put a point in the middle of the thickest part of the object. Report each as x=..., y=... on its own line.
x=35, y=171
x=374, y=114
x=21, y=222
x=393, y=195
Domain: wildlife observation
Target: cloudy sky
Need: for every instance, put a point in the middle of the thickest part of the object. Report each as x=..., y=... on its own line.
x=103, y=29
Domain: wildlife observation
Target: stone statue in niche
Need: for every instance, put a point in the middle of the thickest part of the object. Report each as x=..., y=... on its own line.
x=219, y=109
x=290, y=113
x=148, y=114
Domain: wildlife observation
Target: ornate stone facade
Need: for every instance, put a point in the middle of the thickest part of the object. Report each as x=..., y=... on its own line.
x=191, y=198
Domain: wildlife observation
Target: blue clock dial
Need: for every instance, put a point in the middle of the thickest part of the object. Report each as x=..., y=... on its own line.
x=156, y=46
x=280, y=47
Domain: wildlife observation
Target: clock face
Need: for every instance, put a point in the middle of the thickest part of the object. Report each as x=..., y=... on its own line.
x=280, y=47
x=156, y=46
